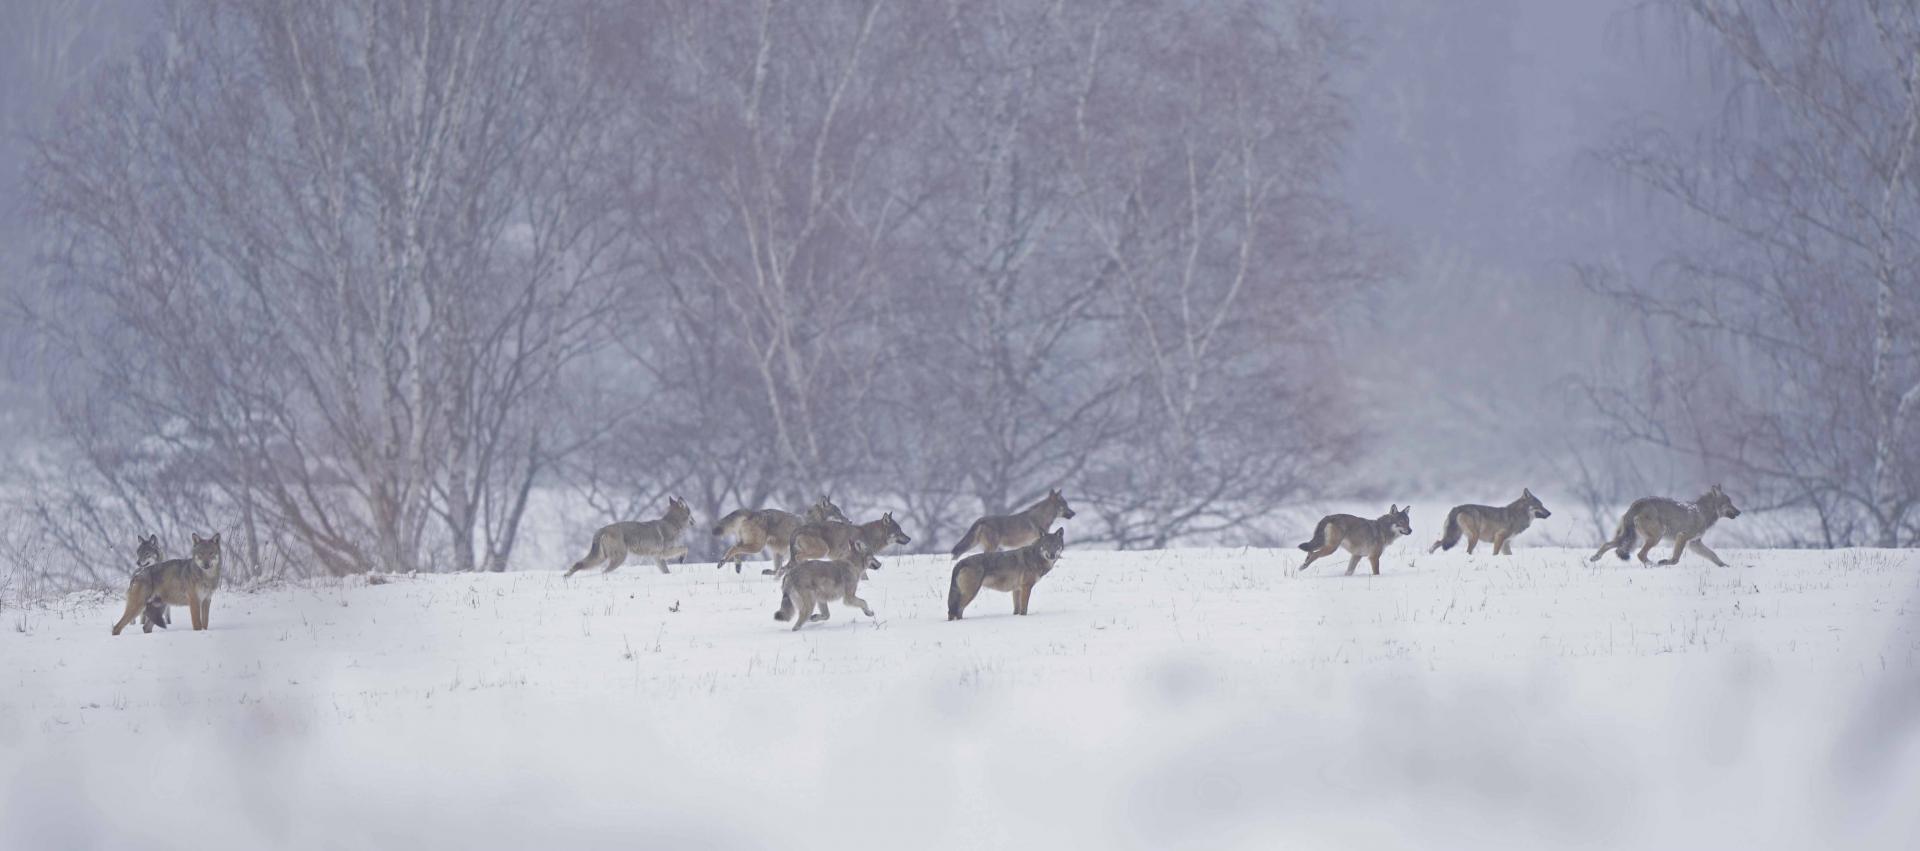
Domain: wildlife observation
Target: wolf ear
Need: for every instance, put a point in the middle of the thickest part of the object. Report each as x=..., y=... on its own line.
x=215, y=540
x=1393, y=508
x=196, y=538
x=1526, y=491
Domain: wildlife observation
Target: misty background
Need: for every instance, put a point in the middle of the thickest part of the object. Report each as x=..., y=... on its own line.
x=379, y=286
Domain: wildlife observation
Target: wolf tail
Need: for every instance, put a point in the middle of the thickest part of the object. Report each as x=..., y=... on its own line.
x=1452, y=535
x=966, y=541
x=1623, y=539
x=954, y=603
x=1319, y=535
x=593, y=558
x=785, y=612
x=727, y=523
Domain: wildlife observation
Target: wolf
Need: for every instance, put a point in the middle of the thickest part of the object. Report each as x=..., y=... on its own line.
x=757, y=530
x=1362, y=537
x=810, y=584
x=834, y=540
x=1656, y=518
x=1007, y=531
x=655, y=539
x=186, y=582
x=1008, y=570
x=1497, y=525
x=146, y=555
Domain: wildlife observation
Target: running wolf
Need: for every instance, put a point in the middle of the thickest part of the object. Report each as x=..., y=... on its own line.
x=186, y=582
x=1498, y=525
x=810, y=584
x=1009, y=570
x=1362, y=537
x=1656, y=518
x=146, y=555
x=834, y=540
x=655, y=539
x=1007, y=531
x=757, y=530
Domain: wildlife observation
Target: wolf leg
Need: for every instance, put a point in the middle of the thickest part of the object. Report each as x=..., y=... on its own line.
x=802, y=610
x=1318, y=554
x=858, y=603
x=616, y=556
x=823, y=613
x=136, y=603
x=1707, y=552
x=1375, y=559
x=1353, y=563
x=1679, y=546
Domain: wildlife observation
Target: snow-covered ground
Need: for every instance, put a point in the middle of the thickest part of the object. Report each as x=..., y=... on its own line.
x=1186, y=698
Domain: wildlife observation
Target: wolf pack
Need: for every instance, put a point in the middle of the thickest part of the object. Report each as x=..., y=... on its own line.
x=820, y=556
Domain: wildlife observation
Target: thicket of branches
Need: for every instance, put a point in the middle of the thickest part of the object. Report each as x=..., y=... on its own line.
x=1783, y=330
x=352, y=280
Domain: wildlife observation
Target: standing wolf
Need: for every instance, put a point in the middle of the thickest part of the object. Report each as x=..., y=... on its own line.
x=1655, y=518
x=1362, y=537
x=146, y=555
x=757, y=530
x=186, y=582
x=835, y=539
x=810, y=584
x=655, y=539
x=1007, y=531
x=1497, y=525
x=1008, y=570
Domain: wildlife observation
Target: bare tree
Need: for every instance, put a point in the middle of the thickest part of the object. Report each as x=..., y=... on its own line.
x=1785, y=323
x=344, y=253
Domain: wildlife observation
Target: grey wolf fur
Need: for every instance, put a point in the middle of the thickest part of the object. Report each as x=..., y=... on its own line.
x=832, y=540
x=810, y=584
x=655, y=539
x=1009, y=570
x=1656, y=518
x=186, y=582
x=756, y=530
x=146, y=555
x=1008, y=531
x=1497, y=525
x=1362, y=537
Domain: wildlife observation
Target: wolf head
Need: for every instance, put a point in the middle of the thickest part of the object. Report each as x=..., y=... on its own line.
x=861, y=556
x=677, y=511
x=148, y=553
x=825, y=510
x=1053, y=543
x=206, y=551
x=1533, y=504
x=1716, y=503
x=1402, y=523
x=1059, y=503
x=893, y=530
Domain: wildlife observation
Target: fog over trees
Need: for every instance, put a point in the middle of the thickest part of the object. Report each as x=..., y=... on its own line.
x=360, y=282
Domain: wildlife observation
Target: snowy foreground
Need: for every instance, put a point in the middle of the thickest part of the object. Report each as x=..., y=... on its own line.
x=1192, y=698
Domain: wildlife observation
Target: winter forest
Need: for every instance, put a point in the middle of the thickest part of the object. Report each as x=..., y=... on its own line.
x=373, y=283
x=1130, y=424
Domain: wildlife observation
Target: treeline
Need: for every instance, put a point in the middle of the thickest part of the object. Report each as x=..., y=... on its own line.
x=353, y=280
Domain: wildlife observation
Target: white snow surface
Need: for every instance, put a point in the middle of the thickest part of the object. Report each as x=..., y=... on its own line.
x=1182, y=698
